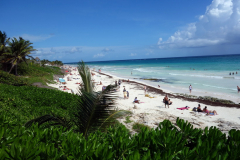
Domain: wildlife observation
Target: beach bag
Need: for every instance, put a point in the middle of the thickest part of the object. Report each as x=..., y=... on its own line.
x=195, y=109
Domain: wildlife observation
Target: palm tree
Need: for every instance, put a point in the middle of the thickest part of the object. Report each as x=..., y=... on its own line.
x=93, y=109
x=17, y=52
x=44, y=62
x=3, y=44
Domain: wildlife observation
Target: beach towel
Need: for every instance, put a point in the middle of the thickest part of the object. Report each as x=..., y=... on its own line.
x=183, y=108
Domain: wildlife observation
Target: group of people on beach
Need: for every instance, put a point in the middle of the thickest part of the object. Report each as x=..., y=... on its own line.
x=167, y=101
x=205, y=110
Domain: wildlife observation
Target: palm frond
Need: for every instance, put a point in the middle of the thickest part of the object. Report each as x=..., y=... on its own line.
x=53, y=120
x=86, y=77
x=94, y=108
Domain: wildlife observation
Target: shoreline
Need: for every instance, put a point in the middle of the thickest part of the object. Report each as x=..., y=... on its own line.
x=172, y=87
x=151, y=111
x=153, y=89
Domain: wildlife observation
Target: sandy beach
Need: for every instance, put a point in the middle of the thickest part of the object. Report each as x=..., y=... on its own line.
x=151, y=109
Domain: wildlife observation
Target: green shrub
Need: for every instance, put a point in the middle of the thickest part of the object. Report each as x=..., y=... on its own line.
x=28, y=102
x=34, y=70
x=128, y=119
x=164, y=142
x=138, y=126
x=10, y=79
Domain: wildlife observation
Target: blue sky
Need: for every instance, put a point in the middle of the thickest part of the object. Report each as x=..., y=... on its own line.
x=100, y=30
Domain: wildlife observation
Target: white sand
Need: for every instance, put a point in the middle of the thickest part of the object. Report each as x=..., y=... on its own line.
x=153, y=110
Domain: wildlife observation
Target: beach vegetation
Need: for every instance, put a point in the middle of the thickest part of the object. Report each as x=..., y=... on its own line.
x=30, y=74
x=29, y=102
x=35, y=73
x=17, y=51
x=127, y=119
x=167, y=141
x=6, y=78
x=93, y=111
x=138, y=127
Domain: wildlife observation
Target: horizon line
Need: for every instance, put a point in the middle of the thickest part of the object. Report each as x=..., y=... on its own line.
x=154, y=58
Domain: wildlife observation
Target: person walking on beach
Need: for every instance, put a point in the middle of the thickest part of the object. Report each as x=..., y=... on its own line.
x=238, y=88
x=190, y=88
x=145, y=89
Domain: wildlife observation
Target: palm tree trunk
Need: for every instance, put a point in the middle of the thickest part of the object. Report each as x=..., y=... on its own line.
x=11, y=69
x=16, y=70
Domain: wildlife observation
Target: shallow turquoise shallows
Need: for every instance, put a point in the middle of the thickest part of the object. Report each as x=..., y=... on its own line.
x=205, y=73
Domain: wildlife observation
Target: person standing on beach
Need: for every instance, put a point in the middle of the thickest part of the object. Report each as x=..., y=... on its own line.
x=190, y=88
x=238, y=88
x=145, y=89
x=165, y=100
x=131, y=73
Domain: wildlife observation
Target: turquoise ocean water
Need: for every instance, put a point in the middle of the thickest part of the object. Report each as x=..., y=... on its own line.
x=209, y=75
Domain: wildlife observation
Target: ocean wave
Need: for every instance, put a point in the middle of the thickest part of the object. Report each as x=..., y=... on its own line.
x=143, y=70
x=192, y=75
x=220, y=87
x=236, y=77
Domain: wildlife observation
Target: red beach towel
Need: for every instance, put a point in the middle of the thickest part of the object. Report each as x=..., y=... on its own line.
x=183, y=108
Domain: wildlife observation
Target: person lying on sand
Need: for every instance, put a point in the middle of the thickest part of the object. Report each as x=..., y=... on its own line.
x=65, y=88
x=212, y=112
x=136, y=100
x=209, y=112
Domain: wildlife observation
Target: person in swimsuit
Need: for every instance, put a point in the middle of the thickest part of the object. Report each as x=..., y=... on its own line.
x=145, y=89
x=205, y=110
x=125, y=94
x=199, y=108
x=136, y=100
x=238, y=88
x=212, y=112
x=190, y=88
x=165, y=100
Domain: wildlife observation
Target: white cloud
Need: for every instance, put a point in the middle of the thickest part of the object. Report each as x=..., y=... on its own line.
x=74, y=50
x=107, y=50
x=98, y=55
x=44, y=51
x=220, y=24
x=133, y=54
x=33, y=38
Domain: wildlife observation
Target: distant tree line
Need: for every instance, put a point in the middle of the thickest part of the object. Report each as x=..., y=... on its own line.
x=14, y=51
